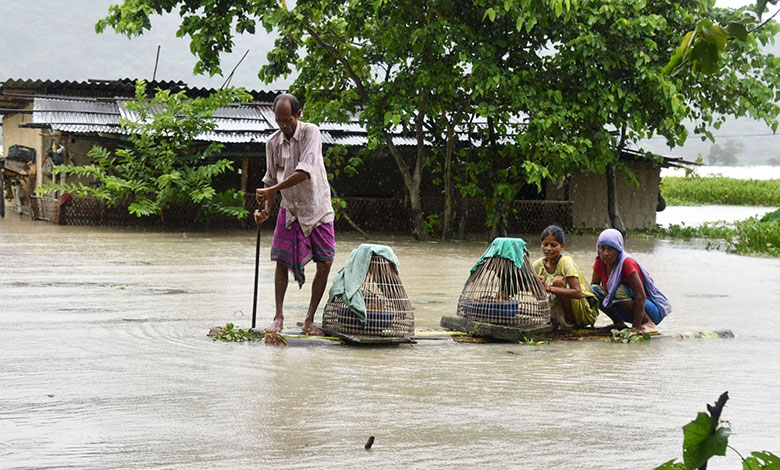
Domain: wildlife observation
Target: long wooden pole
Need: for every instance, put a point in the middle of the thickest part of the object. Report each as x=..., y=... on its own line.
x=257, y=270
x=2, y=196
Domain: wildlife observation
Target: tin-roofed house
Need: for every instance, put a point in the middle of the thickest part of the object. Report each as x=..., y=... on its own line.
x=60, y=121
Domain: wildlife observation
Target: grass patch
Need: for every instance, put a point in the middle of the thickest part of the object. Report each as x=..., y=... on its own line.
x=681, y=191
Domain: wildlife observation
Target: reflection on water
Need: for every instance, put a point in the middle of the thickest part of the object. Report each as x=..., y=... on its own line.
x=105, y=363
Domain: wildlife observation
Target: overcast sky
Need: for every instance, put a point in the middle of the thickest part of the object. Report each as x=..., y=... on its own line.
x=56, y=39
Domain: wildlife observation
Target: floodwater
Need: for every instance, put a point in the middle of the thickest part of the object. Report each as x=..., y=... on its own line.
x=105, y=363
x=755, y=172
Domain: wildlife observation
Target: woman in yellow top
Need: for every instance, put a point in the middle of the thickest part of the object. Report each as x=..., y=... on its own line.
x=572, y=303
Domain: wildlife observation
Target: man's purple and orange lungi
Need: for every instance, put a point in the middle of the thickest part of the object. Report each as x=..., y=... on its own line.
x=292, y=249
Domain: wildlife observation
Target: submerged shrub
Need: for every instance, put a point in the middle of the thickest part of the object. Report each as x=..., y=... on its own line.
x=750, y=236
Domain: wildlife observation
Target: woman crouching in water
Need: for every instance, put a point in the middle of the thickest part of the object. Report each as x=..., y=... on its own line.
x=626, y=291
x=572, y=301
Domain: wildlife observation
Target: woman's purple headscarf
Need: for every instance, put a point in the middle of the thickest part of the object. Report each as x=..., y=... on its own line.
x=613, y=238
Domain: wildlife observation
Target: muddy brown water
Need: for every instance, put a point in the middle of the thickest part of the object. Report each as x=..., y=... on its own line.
x=105, y=363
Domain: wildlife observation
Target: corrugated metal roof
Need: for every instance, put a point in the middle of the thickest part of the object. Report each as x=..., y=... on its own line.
x=86, y=129
x=358, y=140
x=64, y=111
x=113, y=87
x=228, y=119
x=235, y=137
x=235, y=124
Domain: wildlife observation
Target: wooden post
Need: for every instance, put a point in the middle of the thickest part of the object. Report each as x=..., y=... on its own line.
x=2, y=194
x=245, y=174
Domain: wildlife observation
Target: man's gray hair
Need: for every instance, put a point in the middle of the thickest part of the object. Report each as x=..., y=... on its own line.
x=295, y=106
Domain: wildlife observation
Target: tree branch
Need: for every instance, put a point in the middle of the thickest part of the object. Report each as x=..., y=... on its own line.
x=764, y=23
x=347, y=67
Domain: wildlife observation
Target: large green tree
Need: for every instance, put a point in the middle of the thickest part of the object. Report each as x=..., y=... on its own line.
x=559, y=84
x=607, y=74
x=400, y=66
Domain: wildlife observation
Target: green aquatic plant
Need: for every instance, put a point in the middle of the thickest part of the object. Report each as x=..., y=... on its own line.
x=236, y=335
x=532, y=341
x=773, y=216
x=681, y=191
x=627, y=336
x=706, y=437
x=745, y=237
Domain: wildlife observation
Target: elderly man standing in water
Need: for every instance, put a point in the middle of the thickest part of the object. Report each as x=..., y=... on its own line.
x=304, y=226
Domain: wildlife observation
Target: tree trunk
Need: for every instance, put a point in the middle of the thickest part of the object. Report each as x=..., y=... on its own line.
x=446, y=230
x=411, y=190
x=464, y=215
x=346, y=216
x=497, y=226
x=615, y=221
x=612, y=203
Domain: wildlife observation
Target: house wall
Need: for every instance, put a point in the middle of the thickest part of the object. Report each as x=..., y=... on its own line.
x=76, y=146
x=588, y=193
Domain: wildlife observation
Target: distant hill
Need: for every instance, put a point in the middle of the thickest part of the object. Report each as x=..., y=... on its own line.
x=758, y=141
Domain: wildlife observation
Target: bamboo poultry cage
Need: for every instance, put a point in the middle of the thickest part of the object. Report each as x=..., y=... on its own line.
x=388, y=309
x=500, y=293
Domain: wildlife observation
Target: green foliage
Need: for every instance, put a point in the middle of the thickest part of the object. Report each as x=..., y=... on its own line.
x=432, y=224
x=761, y=460
x=338, y=205
x=680, y=191
x=236, y=335
x=532, y=342
x=704, y=438
x=570, y=69
x=750, y=236
x=691, y=170
x=773, y=216
x=701, y=49
x=229, y=203
x=163, y=164
x=627, y=336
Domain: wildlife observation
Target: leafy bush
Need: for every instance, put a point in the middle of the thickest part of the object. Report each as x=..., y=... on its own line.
x=163, y=165
x=704, y=438
x=680, y=191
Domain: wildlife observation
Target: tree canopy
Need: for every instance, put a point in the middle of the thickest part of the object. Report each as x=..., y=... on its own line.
x=497, y=94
